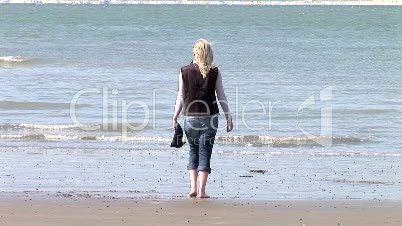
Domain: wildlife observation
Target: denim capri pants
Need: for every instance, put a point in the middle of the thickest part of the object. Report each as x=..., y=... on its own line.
x=200, y=133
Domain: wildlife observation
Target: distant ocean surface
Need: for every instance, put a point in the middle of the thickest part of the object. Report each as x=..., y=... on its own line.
x=276, y=63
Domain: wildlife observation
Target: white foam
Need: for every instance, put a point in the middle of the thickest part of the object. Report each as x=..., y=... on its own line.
x=12, y=59
x=49, y=127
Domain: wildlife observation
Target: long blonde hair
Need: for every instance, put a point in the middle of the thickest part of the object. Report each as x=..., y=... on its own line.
x=203, y=56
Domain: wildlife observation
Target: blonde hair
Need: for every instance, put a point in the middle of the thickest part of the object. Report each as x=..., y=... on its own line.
x=203, y=56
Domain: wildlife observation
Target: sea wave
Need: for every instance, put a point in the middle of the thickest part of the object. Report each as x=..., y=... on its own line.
x=223, y=140
x=38, y=137
x=258, y=140
x=10, y=61
x=27, y=105
x=83, y=137
x=110, y=127
x=315, y=153
x=165, y=141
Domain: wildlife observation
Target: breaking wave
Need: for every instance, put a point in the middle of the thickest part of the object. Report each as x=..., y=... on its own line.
x=223, y=140
x=10, y=61
x=73, y=127
x=83, y=137
x=256, y=140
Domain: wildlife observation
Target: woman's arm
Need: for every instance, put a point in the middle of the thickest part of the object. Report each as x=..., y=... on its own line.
x=223, y=102
x=220, y=92
x=179, y=99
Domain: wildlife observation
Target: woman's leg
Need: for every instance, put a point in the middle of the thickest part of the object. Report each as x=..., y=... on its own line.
x=193, y=182
x=203, y=175
x=192, y=139
x=192, y=169
x=207, y=138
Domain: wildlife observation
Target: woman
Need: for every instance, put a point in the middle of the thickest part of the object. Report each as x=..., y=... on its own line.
x=198, y=83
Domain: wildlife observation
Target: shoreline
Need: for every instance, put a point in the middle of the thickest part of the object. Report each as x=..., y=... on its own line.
x=108, y=171
x=49, y=210
x=239, y=3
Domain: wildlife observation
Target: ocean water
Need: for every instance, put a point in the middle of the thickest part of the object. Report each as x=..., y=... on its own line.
x=316, y=94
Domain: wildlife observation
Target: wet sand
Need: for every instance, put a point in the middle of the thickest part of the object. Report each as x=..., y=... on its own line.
x=28, y=209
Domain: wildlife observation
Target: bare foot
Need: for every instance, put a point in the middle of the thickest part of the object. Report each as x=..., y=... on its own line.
x=192, y=194
x=204, y=196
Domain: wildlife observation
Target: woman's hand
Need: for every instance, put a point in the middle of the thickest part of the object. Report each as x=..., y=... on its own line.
x=174, y=120
x=229, y=126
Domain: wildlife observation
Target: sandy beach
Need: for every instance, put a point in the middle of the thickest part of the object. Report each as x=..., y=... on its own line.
x=42, y=210
x=316, y=94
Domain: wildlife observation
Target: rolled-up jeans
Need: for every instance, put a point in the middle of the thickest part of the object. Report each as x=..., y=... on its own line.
x=200, y=133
